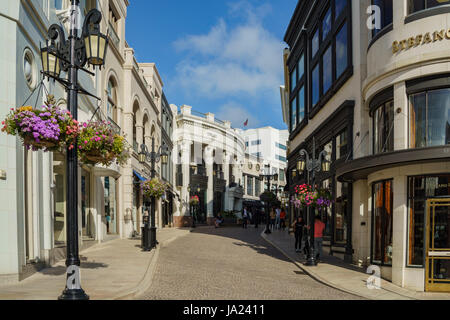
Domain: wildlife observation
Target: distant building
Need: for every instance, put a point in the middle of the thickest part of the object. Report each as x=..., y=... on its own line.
x=269, y=145
x=209, y=161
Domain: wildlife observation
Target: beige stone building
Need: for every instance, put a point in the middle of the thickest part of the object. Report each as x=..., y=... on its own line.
x=33, y=184
x=373, y=90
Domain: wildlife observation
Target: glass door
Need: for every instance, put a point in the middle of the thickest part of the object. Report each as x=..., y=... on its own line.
x=438, y=245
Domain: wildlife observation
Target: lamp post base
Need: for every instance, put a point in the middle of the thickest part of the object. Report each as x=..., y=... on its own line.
x=311, y=261
x=153, y=241
x=73, y=294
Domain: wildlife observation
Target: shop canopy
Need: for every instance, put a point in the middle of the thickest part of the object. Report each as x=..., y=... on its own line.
x=139, y=176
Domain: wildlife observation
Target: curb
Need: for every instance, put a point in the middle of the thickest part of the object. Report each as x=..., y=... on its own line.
x=312, y=274
x=147, y=279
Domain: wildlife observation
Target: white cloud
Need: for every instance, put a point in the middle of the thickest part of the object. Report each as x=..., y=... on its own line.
x=245, y=59
x=237, y=114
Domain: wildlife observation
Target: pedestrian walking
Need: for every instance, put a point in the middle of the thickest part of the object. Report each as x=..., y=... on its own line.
x=283, y=219
x=319, y=226
x=277, y=219
x=245, y=219
x=256, y=217
x=272, y=219
x=298, y=226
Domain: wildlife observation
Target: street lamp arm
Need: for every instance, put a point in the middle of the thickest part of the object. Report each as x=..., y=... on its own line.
x=92, y=22
x=322, y=157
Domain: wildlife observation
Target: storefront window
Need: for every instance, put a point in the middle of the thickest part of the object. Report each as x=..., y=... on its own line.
x=418, y=5
x=250, y=186
x=341, y=207
x=293, y=79
x=301, y=105
x=59, y=196
x=327, y=70
x=383, y=127
x=315, y=85
x=422, y=188
x=110, y=205
x=382, y=222
x=87, y=223
x=430, y=118
x=326, y=214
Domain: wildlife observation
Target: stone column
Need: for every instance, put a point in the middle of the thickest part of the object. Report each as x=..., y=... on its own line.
x=226, y=173
x=184, y=219
x=209, y=161
x=127, y=177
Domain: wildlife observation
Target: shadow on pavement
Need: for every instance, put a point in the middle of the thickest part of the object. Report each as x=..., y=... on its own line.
x=59, y=270
x=250, y=238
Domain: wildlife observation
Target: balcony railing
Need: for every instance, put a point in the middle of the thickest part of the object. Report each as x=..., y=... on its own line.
x=113, y=36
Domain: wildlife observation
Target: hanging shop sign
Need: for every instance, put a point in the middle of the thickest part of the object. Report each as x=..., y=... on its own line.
x=420, y=39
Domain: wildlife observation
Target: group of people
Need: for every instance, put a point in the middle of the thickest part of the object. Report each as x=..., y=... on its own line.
x=277, y=219
x=302, y=238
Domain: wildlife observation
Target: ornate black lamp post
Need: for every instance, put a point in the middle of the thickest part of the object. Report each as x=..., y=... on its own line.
x=269, y=177
x=144, y=156
x=192, y=210
x=312, y=166
x=70, y=55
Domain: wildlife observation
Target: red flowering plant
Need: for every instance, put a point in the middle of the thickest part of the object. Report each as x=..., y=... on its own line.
x=194, y=201
x=48, y=129
x=153, y=188
x=98, y=143
x=306, y=197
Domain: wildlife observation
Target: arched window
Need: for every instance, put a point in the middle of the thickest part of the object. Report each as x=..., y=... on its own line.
x=111, y=108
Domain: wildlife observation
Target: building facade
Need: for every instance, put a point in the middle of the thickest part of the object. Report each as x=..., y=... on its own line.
x=33, y=184
x=377, y=100
x=209, y=158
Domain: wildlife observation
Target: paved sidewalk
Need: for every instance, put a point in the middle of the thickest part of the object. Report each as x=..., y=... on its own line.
x=340, y=275
x=115, y=269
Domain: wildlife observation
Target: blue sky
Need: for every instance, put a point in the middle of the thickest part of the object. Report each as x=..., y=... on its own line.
x=223, y=57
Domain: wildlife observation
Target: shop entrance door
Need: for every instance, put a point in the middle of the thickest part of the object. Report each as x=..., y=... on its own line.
x=438, y=245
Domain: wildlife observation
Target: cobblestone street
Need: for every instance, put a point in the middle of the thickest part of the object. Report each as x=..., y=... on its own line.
x=231, y=264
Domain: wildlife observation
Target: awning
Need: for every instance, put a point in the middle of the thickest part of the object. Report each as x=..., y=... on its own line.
x=139, y=176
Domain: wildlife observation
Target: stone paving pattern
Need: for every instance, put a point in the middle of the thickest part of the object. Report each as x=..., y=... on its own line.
x=231, y=264
x=108, y=270
x=349, y=278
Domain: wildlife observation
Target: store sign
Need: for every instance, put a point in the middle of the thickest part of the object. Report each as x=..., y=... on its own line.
x=420, y=39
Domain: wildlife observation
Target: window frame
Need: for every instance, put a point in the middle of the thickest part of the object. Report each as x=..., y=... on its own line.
x=345, y=19
x=372, y=231
x=410, y=95
x=426, y=12
x=386, y=133
x=295, y=92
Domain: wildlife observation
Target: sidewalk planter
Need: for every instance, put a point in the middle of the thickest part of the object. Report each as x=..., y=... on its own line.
x=48, y=129
x=153, y=188
x=97, y=143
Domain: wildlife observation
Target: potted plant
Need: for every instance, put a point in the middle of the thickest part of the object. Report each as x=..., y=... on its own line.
x=98, y=143
x=153, y=188
x=48, y=129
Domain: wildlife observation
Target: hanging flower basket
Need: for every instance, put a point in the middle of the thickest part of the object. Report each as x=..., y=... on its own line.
x=153, y=188
x=194, y=201
x=48, y=129
x=306, y=197
x=99, y=144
